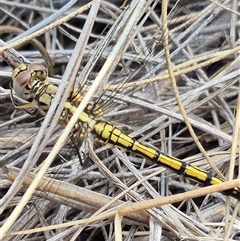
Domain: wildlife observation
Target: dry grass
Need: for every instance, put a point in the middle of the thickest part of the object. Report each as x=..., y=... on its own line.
x=193, y=115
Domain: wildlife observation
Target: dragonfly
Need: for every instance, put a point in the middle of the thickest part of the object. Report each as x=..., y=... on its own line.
x=30, y=82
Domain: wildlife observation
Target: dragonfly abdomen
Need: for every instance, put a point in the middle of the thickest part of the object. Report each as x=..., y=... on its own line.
x=109, y=134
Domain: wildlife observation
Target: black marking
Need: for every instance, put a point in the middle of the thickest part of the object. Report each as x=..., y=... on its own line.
x=208, y=179
x=182, y=170
x=157, y=157
x=234, y=192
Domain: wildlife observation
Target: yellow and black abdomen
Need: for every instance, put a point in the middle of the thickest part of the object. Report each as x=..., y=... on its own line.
x=107, y=133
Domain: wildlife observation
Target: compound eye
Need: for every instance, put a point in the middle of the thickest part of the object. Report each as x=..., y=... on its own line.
x=22, y=78
x=20, y=81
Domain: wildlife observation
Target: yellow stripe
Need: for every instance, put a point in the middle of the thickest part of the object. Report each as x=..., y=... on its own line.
x=170, y=162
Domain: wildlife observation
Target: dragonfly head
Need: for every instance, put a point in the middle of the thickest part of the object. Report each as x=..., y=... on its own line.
x=25, y=76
